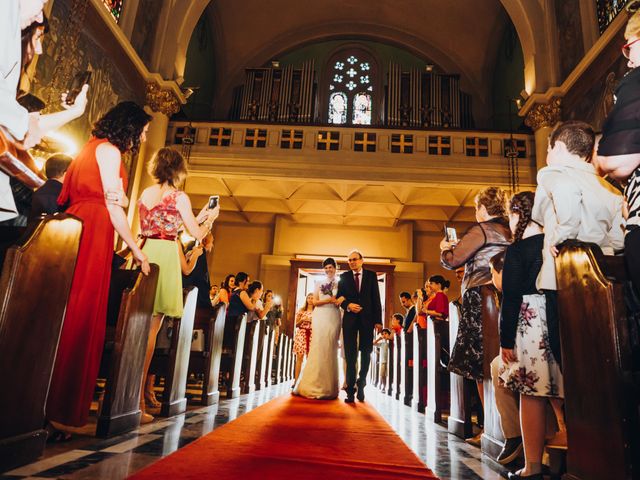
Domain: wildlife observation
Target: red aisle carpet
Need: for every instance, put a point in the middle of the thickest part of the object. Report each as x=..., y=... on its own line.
x=292, y=437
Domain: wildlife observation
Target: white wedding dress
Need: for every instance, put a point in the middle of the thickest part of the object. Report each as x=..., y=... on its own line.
x=319, y=378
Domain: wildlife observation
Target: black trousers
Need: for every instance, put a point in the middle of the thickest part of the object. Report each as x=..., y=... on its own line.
x=357, y=334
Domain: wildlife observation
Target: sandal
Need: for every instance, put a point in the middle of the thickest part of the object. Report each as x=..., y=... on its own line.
x=56, y=436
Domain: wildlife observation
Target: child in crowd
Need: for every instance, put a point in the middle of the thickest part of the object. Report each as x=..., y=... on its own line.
x=382, y=342
x=396, y=323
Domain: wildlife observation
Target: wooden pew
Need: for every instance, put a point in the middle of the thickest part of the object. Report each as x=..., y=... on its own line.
x=270, y=357
x=173, y=363
x=459, y=421
x=277, y=362
x=391, y=367
x=131, y=297
x=407, y=366
x=600, y=382
x=233, y=349
x=34, y=288
x=261, y=358
x=249, y=358
x=492, y=439
x=420, y=375
x=400, y=371
x=207, y=362
x=437, y=335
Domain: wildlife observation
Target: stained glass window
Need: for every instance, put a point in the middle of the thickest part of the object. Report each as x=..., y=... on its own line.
x=114, y=7
x=351, y=86
x=338, y=108
x=362, y=109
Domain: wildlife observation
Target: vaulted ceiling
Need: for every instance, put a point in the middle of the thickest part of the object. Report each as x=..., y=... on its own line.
x=460, y=36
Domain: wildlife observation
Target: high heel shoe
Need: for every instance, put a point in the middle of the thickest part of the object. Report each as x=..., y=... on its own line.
x=151, y=400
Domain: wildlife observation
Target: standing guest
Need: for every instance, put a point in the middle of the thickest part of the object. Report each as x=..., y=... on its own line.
x=383, y=345
x=163, y=209
x=96, y=172
x=14, y=119
x=240, y=301
x=410, y=310
x=213, y=292
x=619, y=148
x=529, y=366
x=438, y=305
x=226, y=288
x=274, y=315
x=573, y=202
x=396, y=323
x=199, y=276
x=302, y=338
x=45, y=199
x=189, y=259
x=482, y=241
x=423, y=297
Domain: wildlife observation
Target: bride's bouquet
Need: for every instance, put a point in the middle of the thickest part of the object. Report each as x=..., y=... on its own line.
x=329, y=288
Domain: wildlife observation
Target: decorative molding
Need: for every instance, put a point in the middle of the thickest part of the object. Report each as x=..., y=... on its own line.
x=162, y=100
x=544, y=114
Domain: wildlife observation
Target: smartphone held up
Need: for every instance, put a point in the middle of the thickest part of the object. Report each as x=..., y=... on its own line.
x=80, y=80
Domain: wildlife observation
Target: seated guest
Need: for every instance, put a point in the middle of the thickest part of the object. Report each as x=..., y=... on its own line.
x=199, y=276
x=45, y=199
x=163, y=209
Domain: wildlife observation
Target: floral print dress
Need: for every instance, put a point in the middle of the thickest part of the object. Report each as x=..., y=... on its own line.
x=302, y=339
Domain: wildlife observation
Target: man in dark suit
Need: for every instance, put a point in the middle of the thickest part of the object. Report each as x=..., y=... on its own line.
x=45, y=199
x=362, y=313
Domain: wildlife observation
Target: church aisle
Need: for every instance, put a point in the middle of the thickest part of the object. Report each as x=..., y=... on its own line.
x=294, y=437
x=116, y=458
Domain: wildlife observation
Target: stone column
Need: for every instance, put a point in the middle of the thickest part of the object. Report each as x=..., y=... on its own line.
x=160, y=104
x=541, y=118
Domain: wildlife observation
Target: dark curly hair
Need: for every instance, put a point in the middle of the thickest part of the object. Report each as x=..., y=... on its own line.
x=522, y=204
x=168, y=166
x=123, y=126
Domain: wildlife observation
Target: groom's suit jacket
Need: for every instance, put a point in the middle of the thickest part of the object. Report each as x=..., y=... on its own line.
x=368, y=297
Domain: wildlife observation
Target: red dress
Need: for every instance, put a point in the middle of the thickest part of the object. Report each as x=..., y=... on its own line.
x=82, y=338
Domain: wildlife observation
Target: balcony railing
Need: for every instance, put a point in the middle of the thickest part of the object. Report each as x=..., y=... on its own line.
x=607, y=11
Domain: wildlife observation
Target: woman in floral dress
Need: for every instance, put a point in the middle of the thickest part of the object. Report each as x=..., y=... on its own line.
x=302, y=339
x=528, y=364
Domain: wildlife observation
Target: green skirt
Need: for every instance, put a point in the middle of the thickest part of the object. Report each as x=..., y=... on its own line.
x=164, y=253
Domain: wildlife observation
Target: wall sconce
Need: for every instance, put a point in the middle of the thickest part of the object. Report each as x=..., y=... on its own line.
x=429, y=67
x=275, y=63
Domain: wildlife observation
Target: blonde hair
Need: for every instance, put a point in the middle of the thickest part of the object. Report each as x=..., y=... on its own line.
x=494, y=200
x=633, y=26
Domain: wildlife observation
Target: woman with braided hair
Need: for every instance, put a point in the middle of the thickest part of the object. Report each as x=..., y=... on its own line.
x=528, y=364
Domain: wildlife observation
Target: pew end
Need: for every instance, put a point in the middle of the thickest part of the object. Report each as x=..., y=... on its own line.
x=131, y=298
x=41, y=262
x=601, y=389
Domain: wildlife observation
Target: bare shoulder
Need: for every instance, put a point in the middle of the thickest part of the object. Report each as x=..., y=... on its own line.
x=108, y=150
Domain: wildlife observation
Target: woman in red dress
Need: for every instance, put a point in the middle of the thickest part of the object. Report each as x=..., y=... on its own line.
x=93, y=190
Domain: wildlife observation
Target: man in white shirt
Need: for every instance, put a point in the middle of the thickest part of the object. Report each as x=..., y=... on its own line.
x=14, y=119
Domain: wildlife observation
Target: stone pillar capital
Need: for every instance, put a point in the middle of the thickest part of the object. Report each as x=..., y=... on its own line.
x=544, y=114
x=162, y=100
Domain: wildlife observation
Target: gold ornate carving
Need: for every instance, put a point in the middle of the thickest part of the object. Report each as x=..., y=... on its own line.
x=162, y=100
x=544, y=114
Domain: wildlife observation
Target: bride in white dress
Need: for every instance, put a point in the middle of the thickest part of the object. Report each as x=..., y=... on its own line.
x=319, y=379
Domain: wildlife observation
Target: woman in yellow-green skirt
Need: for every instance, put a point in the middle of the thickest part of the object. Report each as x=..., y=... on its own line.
x=163, y=210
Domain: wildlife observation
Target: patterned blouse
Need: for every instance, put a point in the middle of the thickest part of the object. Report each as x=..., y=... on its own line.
x=163, y=220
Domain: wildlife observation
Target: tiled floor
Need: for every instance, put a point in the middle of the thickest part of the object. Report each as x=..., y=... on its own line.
x=116, y=458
